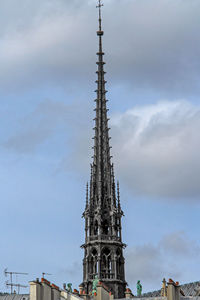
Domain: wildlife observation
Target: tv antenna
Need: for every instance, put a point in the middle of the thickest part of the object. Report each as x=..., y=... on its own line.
x=11, y=284
x=16, y=285
x=43, y=274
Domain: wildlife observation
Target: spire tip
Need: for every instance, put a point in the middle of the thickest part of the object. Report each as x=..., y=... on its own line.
x=99, y=6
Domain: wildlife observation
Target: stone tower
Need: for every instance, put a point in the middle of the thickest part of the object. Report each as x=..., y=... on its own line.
x=103, y=247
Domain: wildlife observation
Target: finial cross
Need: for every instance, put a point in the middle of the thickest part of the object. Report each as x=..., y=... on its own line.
x=99, y=5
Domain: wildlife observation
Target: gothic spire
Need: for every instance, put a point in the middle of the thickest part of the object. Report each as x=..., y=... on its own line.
x=103, y=247
x=102, y=159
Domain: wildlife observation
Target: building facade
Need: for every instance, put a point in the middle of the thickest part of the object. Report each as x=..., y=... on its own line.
x=103, y=247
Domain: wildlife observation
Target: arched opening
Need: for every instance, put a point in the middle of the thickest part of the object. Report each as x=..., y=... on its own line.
x=105, y=227
x=117, y=229
x=94, y=264
x=106, y=267
x=118, y=263
x=96, y=228
x=91, y=227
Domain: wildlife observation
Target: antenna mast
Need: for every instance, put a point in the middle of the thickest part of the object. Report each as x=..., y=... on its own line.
x=11, y=284
x=43, y=274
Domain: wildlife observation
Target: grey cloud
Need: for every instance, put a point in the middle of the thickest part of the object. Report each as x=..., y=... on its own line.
x=72, y=271
x=150, y=44
x=151, y=263
x=156, y=149
x=39, y=126
x=40, y=44
x=143, y=263
x=27, y=141
x=179, y=244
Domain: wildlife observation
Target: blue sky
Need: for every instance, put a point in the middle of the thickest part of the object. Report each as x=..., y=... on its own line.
x=47, y=75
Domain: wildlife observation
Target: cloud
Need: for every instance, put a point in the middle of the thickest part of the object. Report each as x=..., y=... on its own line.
x=39, y=126
x=179, y=244
x=151, y=263
x=143, y=263
x=156, y=52
x=40, y=44
x=156, y=149
x=72, y=271
x=53, y=42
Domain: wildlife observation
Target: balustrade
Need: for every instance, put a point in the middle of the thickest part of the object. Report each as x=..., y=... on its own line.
x=103, y=238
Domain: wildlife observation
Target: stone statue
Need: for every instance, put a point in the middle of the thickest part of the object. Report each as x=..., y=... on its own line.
x=197, y=290
x=69, y=287
x=94, y=285
x=164, y=288
x=139, y=288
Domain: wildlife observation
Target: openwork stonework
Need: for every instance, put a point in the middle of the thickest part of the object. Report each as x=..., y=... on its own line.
x=103, y=247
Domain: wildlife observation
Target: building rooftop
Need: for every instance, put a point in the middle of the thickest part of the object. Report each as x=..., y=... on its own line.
x=14, y=297
x=189, y=289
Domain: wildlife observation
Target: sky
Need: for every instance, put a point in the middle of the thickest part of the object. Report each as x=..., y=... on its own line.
x=47, y=82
